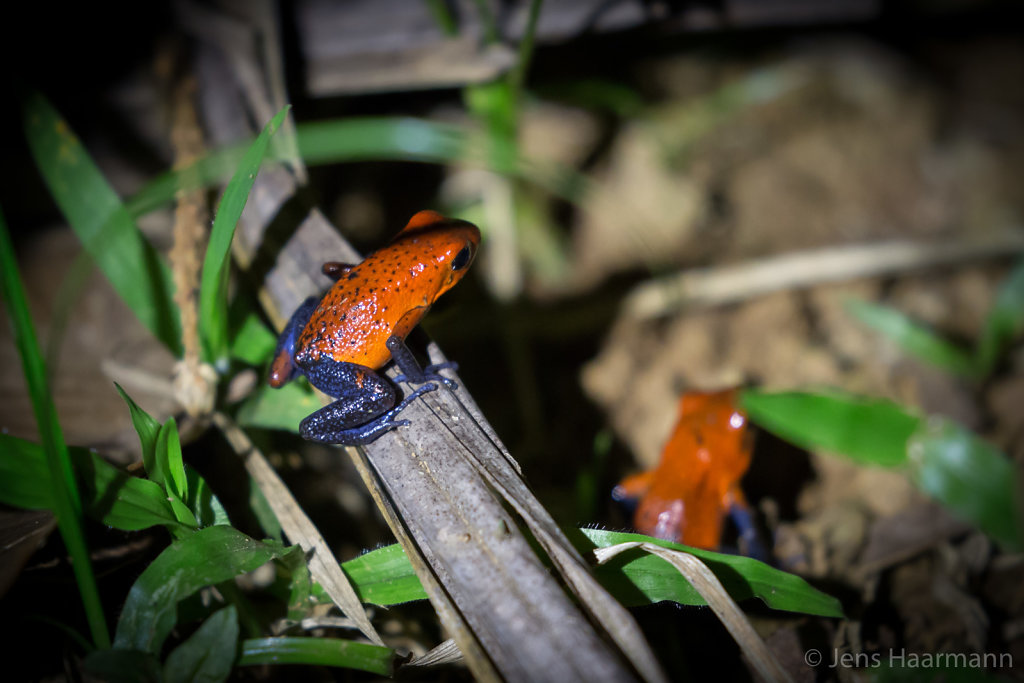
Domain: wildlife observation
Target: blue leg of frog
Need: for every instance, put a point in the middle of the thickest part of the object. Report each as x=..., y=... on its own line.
x=365, y=406
x=411, y=370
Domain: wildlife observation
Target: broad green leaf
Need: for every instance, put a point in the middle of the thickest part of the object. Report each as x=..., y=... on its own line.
x=970, y=478
x=282, y=408
x=637, y=578
x=868, y=431
x=209, y=556
x=208, y=654
x=170, y=467
x=24, y=476
x=1004, y=322
x=205, y=506
x=914, y=338
x=319, y=652
x=119, y=499
x=123, y=666
x=101, y=222
x=384, y=577
x=213, y=290
x=148, y=430
x=108, y=495
x=253, y=343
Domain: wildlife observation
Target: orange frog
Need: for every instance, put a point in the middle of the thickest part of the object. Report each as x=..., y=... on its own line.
x=685, y=498
x=341, y=340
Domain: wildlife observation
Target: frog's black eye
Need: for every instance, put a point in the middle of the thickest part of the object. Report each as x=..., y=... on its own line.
x=463, y=258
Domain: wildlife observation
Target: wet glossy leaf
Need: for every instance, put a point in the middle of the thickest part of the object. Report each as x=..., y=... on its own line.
x=208, y=654
x=970, y=478
x=209, y=556
x=869, y=431
x=204, y=505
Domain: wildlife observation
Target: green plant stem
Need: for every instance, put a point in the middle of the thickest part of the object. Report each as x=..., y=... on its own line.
x=442, y=17
x=518, y=73
x=66, y=501
x=487, y=21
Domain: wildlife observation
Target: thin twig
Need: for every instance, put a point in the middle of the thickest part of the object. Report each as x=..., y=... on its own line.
x=728, y=284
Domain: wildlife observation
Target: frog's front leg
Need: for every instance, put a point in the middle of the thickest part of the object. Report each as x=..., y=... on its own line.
x=364, y=406
x=411, y=370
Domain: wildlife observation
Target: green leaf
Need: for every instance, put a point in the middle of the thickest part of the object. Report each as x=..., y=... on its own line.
x=384, y=577
x=120, y=500
x=318, y=652
x=254, y=343
x=147, y=428
x=204, y=505
x=213, y=290
x=914, y=338
x=170, y=469
x=209, y=556
x=868, y=431
x=123, y=666
x=283, y=408
x=101, y=222
x=369, y=139
x=109, y=495
x=970, y=478
x=208, y=654
x=638, y=578
x=66, y=500
x=264, y=513
x=1004, y=322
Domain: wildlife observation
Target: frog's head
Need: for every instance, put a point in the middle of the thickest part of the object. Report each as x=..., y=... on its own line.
x=447, y=244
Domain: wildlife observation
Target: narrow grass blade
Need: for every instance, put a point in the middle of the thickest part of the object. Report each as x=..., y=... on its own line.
x=208, y=654
x=1004, y=322
x=914, y=338
x=101, y=222
x=868, y=431
x=213, y=291
x=370, y=139
x=970, y=478
x=319, y=652
x=170, y=468
x=66, y=501
x=209, y=556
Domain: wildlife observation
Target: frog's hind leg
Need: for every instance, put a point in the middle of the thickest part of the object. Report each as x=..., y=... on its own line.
x=364, y=409
x=283, y=368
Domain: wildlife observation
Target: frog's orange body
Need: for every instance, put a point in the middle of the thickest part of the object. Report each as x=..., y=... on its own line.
x=686, y=497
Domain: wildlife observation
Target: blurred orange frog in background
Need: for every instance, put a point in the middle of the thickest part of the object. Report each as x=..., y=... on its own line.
x=685, y=498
